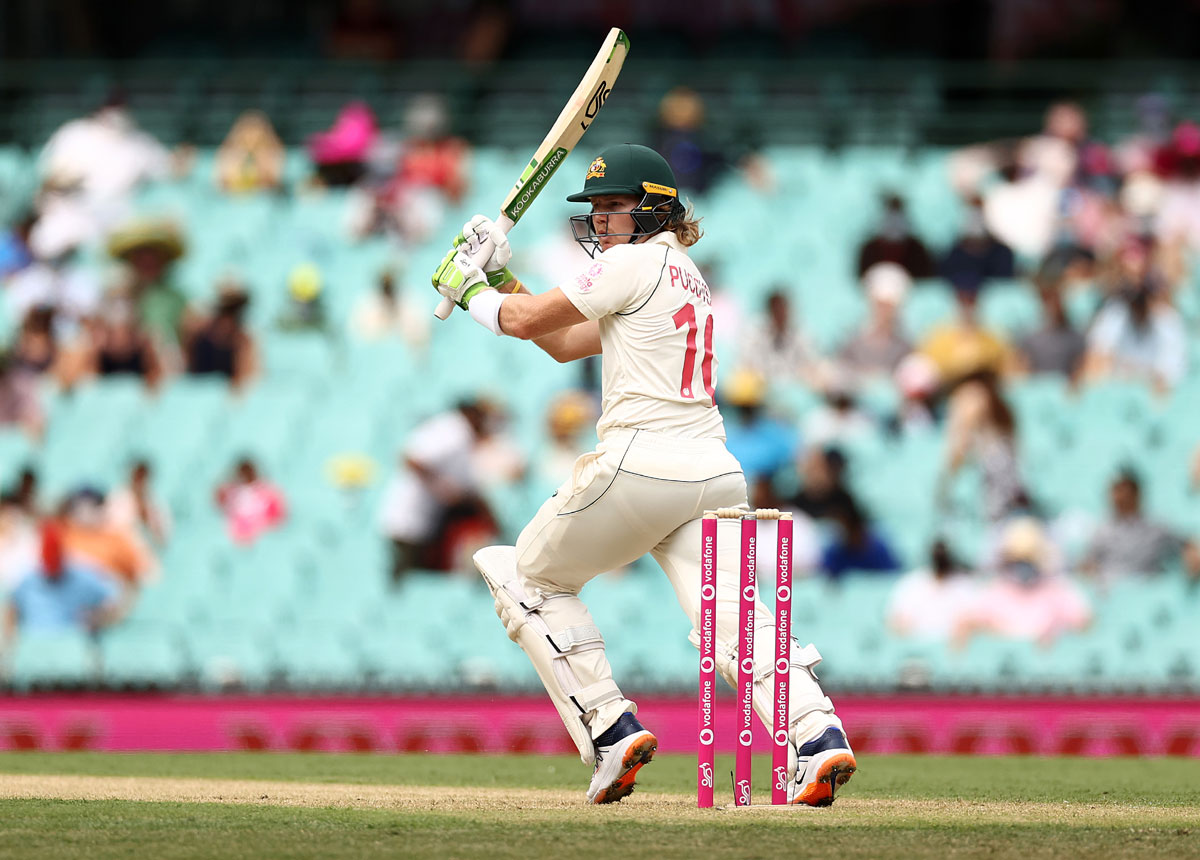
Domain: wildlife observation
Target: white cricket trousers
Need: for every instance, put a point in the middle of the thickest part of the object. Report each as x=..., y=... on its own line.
x=641, y=492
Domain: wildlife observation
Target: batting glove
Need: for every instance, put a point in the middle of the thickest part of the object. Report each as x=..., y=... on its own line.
x=477, y=231
x=458, y=279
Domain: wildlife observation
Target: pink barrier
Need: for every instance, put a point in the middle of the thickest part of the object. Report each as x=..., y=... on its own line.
x=883, y=724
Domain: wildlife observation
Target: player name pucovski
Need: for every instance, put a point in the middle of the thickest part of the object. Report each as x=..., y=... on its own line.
x=694, y=284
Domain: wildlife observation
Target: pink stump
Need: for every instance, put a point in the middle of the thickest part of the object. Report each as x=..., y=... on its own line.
x=745, y=702
x=783, y=635
x=707, y=628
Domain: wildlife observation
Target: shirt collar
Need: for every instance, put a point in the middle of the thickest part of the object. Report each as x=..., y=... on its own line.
x=666, y=237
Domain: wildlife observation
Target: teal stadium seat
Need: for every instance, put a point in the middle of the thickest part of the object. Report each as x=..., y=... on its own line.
x=1010, y=307
x=141, y=655
x=930, y=304
x=53, y=658
x=232, y=656
x=311, y=605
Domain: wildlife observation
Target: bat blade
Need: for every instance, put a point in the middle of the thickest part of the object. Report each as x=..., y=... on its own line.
x=576, y=118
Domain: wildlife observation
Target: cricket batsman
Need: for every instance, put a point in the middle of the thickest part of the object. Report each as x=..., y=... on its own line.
x=661, y=462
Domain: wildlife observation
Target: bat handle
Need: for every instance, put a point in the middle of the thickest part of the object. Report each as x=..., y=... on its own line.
x=445, y=306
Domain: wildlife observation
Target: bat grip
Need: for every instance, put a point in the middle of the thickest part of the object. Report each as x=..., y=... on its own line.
x=445, y=306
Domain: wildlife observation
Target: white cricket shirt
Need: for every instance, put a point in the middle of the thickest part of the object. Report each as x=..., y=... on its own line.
x=656, y=333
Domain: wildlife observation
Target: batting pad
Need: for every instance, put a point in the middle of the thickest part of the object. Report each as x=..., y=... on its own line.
x=557, y=633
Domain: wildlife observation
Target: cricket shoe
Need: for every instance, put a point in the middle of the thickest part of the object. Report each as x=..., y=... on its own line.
x=620, y=753
x=823, y=765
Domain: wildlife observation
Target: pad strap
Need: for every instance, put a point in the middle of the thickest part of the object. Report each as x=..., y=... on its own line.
x=595, y=695
x=586, y=637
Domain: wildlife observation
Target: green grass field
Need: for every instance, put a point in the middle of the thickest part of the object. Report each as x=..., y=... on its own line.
x=348, y=806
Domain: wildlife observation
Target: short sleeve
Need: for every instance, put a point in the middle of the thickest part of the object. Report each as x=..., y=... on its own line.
x=614, y=282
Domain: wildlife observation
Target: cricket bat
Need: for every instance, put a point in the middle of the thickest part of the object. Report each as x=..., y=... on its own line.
x=575, y=119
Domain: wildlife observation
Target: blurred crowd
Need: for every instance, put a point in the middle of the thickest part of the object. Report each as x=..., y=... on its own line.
x=90, y=284
x=1106, y=233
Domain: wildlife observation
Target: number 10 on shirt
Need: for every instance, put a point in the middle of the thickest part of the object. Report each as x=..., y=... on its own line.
x=686, y=316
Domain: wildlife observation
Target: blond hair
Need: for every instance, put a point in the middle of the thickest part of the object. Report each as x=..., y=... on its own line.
x=687, y=227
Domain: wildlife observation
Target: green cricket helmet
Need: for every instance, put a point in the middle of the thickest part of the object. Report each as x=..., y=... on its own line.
x=628, y=168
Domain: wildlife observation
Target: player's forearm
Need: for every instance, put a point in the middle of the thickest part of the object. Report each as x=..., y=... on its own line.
x=522, y=315
x=533, y=317
x=553, y=344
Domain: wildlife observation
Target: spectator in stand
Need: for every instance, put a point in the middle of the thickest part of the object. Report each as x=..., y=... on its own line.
x=251, y=158
x=877, y=349
x=930, y=603
x=1022, y=208
x=15, y=253
x=304, y=308
x=19, y=543
x=222, y=344
x=1178, y=222
x=20, y=404
x=388, y=311
x=1138, y=334
x=1055, y=153
x=1028, y=598
x=1129, y=544
x=26, y=493
x=976, y=255
x=89, y=538
x=894, y=242
x=855, y=545
x=1093, y=222
x=1055, y=348
x=55, y=279
x=761, y=443
x=61, y=594
x=838, y=419
x=427, y=172
x=981, y=427
x=341, y=153
x=1143, y=149
x=36, y=348
x=136, y=510
x=435, y=492
x=964, y=348
x=822, y=482
x=149, y=249
x=106, y=157
x=252, y=505
x=681, y=140
x=497, y=459
x=117, y=345
x=916, y=378
x=569, y=419
x=431, y=157
x=775, y=348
